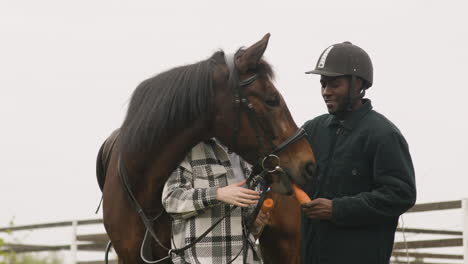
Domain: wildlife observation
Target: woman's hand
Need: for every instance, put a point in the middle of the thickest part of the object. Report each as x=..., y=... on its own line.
x=263, y=218
x=235, y=194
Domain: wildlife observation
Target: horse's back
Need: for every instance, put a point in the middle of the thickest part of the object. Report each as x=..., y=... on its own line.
x=104, y=156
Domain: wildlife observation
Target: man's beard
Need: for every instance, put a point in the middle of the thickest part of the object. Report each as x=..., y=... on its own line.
x=342, y=108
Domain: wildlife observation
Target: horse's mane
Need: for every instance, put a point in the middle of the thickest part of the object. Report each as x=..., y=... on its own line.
x=170, y=101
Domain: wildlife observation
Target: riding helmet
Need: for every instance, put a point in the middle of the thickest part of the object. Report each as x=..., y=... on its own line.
x=345, y=59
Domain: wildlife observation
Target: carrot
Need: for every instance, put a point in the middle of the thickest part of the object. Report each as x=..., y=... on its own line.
x=267, y=205
x=301, y=196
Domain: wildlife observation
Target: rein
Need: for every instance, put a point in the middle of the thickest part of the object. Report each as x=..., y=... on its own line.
x=241, y=103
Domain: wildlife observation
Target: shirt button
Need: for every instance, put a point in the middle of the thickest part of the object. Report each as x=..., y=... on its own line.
x=354, y=172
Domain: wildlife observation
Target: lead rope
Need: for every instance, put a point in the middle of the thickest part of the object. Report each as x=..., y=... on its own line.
x=122, y=171
x=106, y=255
x=247, y=223
x=404, y=239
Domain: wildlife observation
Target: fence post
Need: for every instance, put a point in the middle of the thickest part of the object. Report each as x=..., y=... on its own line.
x=73, y=244
x=465, y=230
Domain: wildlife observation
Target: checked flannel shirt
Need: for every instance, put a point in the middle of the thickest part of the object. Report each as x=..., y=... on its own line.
x=189, y=196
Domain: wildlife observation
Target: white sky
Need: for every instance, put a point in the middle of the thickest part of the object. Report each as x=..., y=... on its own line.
x=68, y=68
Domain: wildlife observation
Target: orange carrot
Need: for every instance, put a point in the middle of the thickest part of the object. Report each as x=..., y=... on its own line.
x=301, y=196
x=267, y=205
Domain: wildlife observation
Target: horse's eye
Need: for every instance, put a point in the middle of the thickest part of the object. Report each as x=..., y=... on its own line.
x=273, y=101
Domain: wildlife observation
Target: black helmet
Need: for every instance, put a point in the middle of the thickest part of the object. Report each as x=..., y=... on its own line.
x=345, y=59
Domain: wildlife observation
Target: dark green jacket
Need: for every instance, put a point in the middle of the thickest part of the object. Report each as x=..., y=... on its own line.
x=364, y=166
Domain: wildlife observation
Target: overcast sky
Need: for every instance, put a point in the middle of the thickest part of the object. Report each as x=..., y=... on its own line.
x=68, y=68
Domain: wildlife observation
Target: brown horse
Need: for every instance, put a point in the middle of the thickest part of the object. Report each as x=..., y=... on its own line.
x=170, y=113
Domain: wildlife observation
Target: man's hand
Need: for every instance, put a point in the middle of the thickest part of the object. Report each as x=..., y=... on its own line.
x=319, y=208
x=235, y=194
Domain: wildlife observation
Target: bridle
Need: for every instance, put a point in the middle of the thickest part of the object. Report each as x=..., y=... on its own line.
x=260, y=169
x=242, y=103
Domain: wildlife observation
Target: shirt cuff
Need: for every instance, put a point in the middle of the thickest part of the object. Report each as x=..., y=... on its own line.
x=335, y=217
x=211, y=194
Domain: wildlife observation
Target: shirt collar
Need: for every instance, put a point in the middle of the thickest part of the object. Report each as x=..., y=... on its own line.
x=223, y=150
x=353, y=118
x=220, y=150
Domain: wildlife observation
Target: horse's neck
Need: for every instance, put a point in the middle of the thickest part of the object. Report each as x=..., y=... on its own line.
x=286, y=215
x=165, y=159
x=280, y=242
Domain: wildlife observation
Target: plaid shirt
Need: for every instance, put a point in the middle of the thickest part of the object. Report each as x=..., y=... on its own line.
x=189, y=196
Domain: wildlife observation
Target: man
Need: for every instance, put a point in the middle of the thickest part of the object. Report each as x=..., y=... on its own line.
x=365, y=174
x=201, y=190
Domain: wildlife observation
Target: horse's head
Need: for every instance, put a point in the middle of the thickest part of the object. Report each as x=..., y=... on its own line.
x=252, y=119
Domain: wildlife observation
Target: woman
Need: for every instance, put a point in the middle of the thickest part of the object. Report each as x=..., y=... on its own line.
x=203, y=188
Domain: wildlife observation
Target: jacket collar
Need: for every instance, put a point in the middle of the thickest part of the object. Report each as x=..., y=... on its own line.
x=220, y=150
x=353, y=118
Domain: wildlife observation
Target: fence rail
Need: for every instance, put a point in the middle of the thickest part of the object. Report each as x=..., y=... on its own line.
x=429, y=231
x=23, y=248
x=436, y=243
x=79, y=242
x=436, y=206
x=50, y=225
x=427, y=255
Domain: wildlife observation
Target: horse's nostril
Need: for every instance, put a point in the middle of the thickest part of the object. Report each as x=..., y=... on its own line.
x=310, y=168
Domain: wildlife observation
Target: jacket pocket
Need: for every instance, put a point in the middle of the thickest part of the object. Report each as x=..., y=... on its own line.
x=352, y=178
x=209, y=175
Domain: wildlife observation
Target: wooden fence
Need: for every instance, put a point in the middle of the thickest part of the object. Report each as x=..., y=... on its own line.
x=79, y=242
x=402, y=249
x=407, y=249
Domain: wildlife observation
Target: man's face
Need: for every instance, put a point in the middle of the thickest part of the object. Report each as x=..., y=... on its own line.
x=335, y=93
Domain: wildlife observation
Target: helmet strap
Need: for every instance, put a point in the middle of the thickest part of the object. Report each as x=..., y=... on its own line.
x=353, y=99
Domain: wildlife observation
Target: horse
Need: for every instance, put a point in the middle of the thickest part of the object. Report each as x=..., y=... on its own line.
x=230, y=97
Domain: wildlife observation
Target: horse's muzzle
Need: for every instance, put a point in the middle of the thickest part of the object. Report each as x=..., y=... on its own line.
x=310, y=169
x=308, y=174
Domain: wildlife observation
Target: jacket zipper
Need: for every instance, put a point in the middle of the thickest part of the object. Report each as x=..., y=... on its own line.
x=332, y=150
x=325, y=175
x=329, y=159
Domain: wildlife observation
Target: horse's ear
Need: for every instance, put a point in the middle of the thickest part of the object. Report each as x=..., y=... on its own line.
x=252, y=55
